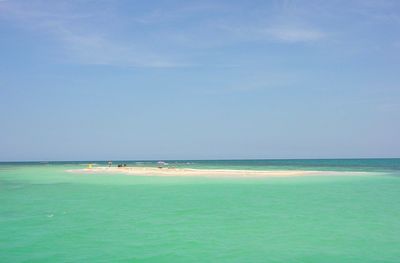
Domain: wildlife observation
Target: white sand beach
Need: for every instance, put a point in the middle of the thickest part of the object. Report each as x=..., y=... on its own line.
x=154, y=171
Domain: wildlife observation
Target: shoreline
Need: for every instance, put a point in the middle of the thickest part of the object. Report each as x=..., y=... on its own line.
x=190, y=172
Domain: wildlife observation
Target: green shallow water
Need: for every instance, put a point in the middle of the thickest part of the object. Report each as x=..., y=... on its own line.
x=48, y=215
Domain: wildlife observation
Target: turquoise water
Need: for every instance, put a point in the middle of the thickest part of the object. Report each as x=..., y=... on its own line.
x=48, y=215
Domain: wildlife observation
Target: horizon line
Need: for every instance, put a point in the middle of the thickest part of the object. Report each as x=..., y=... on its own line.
x=234, y=159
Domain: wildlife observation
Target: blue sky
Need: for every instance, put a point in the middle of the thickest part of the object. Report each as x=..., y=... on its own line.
x=108, y=79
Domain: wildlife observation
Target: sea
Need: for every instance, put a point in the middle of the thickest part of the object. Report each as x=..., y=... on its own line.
x=50, y=215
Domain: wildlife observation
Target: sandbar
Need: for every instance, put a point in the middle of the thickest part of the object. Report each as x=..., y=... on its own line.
x=190, y=172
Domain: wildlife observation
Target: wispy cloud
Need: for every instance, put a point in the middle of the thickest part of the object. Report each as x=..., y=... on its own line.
x=288, y=34
x=99, y=50
x=80, y=38
x=276, y=32
x=167, y=34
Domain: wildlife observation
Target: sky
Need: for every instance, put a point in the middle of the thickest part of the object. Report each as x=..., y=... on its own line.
x=136, y=80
